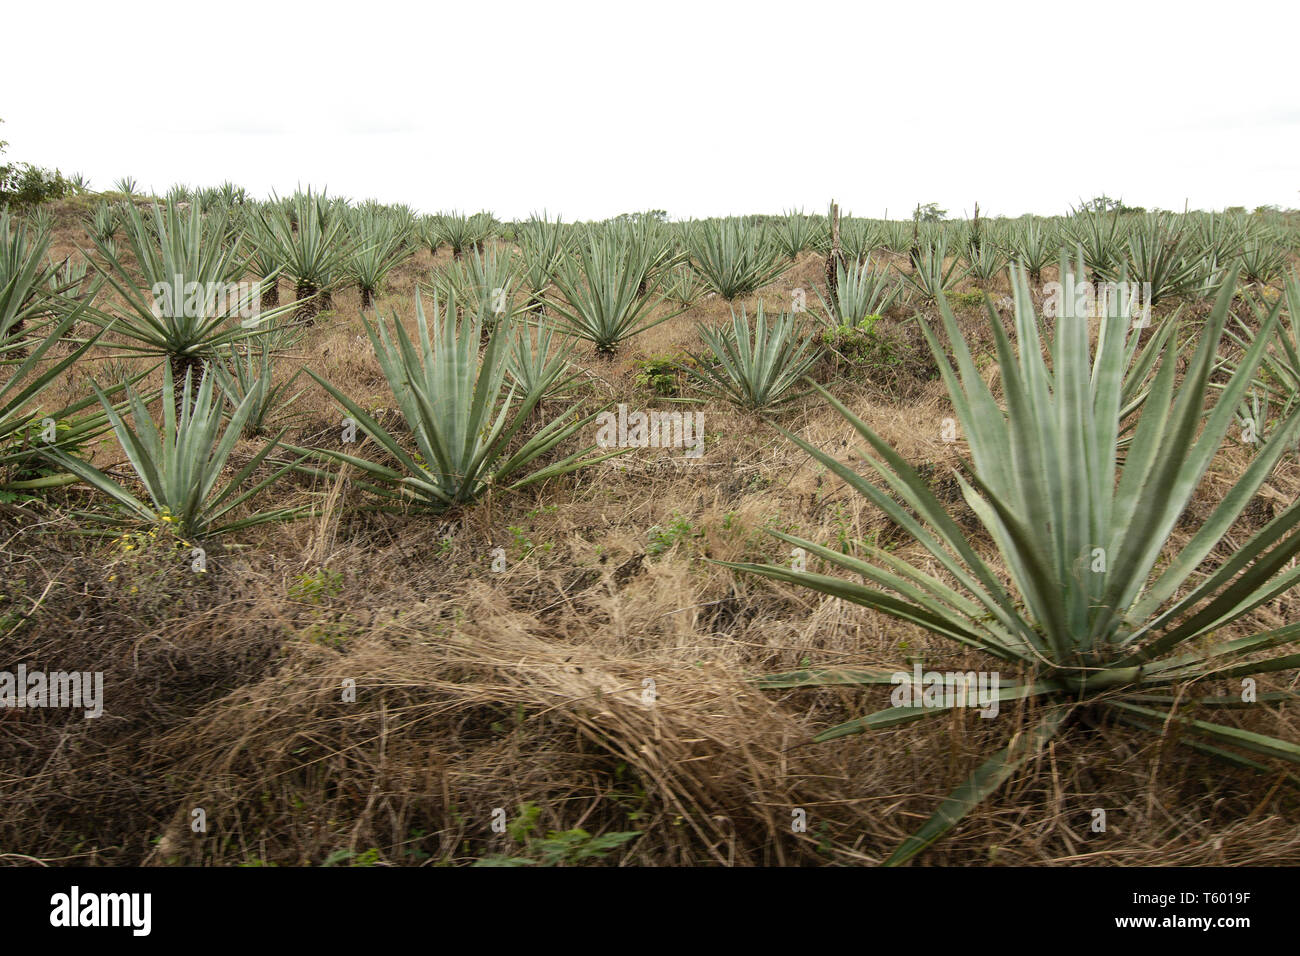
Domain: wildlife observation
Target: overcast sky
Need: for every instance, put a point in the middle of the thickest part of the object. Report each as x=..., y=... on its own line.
x=699, y=108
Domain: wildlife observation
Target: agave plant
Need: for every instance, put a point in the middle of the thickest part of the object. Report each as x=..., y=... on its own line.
x=543, y=244
x=249, y=375
x=1279, y=373
x=264, y=260
x=859, y=238
x=1157, y=258
x=1218, y=236
x=462, y=233
x=126, y=184
x=181, y=465
x=796, y=233
x=1262, y=259
x=1033, y=246
x=685, y=287
x=987, y=263
x=1101, y=236
x=934, y=272
x=1208, y=274
x=377, y=248
x=897, y=236
x=24, y=274
x=26, y=427
x=735, y=257
x=655, y=244
x=860, y=291
x=463, y=420
x=306, y=235
x=68, y=278
x=483, y=282
x=599, y=284
x=755, y=369
x=538, y=363
x=180, y=291
x=1101, y=616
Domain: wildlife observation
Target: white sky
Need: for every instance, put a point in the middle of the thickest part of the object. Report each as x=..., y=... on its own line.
x=700, y=108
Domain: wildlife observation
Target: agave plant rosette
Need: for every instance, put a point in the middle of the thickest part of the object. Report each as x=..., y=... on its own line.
x=483, y=282
x=735, y=257
x=378, y=246
x=934, y=271
x=758, y=368
x=462, y=416
x=28, y=428
x=796, y=232
x=1102, y=617
x=860, y=291
x=602, y=288
x=181, y=464
x=542, y=245
x=539, y=360
x=1034, y=246
x=307, y=236
x=249, y=374
x=182, y=295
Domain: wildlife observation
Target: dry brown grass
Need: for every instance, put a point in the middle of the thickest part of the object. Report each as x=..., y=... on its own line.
x=478, y=690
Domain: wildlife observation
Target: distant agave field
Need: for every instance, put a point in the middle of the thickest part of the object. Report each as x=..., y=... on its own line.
x=155, y=353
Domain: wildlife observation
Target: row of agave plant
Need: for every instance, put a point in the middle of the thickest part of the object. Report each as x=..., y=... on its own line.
x=1096, y=443
x=320, y=243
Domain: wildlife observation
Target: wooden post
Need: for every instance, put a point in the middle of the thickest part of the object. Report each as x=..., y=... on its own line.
x=833, y=260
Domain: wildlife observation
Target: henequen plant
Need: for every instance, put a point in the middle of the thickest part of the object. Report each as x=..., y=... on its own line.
x=1101, y=617
x=600, y=286
x=175, y=292
x=1033, y=246
x=537, y=368
x=735, y=257
x=463, y=418
x=181, y=465
x=859, y=292
x=754, y=370
x=27, y=428
x=929, y=276
x=308, y=237
x=379, y=244
x=249, y=374
x=1279, y=371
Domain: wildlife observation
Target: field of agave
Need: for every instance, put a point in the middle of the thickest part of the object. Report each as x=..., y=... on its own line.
x=379, y=531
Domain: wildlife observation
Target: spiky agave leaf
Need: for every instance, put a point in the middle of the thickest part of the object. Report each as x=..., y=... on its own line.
x=483, y=282
x=542, y=245
x=1157, y=258
x=1033, y=246
x=378, y=244
x=307, y=235
x=1092, y=615
x=796, y=232
x=934, y=270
